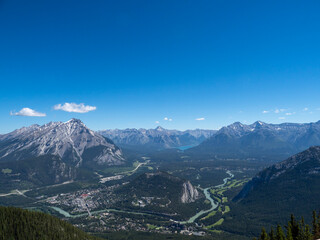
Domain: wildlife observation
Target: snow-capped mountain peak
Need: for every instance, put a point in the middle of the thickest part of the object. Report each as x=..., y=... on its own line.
x=68, y=140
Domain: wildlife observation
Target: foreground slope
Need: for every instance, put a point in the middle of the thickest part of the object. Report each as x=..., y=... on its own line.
x=291, y=186
x=16, y=223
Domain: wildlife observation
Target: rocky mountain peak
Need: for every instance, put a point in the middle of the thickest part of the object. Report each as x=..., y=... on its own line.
x=159, y=128
x=258, y=124
x=67, y=140
x=75, y=121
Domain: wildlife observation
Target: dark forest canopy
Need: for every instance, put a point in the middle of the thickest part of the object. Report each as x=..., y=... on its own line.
x=294, y=230
x=16, y=223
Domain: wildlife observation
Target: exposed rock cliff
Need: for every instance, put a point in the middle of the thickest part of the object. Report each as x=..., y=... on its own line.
x=189, y=193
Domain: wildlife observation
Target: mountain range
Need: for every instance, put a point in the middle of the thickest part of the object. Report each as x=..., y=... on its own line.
x=260, y=140
x=156, y=139
x=53, y=153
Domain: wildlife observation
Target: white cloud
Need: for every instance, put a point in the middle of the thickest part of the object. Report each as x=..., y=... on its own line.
x=282, y=118
x=280, y=110
x=290, y=113
x=200, y=119
x=28, y=112
x=73, y=107
x=305, y=109
x=168, y=119
x=265, y=111
x=157, y=122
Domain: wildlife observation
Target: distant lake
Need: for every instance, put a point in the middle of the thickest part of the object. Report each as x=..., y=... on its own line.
x=182, y=148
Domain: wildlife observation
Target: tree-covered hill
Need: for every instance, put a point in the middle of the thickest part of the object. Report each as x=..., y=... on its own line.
x=291, y=186
x=16, y=223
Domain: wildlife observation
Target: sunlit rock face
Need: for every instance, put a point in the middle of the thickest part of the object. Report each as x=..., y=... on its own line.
x=189, y=194
x=68, y=140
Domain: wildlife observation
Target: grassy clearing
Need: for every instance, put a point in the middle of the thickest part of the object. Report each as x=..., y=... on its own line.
x=150, y=226
x=217, y=223
x=6, y=171
x=211, y=214
x=226, y=209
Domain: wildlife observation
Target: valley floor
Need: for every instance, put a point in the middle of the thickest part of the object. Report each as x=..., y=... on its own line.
x=95, y=207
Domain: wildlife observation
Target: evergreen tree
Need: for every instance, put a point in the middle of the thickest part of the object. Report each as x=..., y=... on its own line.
x=272, y=236
x=289, y=232
x=280, y=234
x=264, y=235
x=308, y=235
x=294, y=227
x=315, y=225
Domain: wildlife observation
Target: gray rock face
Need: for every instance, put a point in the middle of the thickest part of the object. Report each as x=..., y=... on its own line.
x=157, y=138
x=67, y=140
x=189, y=193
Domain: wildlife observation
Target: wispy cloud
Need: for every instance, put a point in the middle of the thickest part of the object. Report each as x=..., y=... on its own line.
x=282, y=118
x=265, y=111
x=28, y=112
x=168, y=119
x=305, y=109
x=280, y=110
x=290, y=113
x=73, y=107
x=200, y=119
x=157, y=122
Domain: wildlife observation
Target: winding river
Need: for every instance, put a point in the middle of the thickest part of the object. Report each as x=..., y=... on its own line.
x=206, y=192
x=68, y=215
x=214, y=204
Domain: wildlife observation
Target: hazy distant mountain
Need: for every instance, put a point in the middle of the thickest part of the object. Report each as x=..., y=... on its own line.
x=51, y=153
x=158, y=138
x=261, y=139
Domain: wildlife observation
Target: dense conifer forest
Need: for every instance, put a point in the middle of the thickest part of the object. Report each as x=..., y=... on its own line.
x=294, y=230
x=16, y=223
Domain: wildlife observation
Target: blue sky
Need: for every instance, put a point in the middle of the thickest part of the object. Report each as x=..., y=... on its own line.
x=133, y=63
